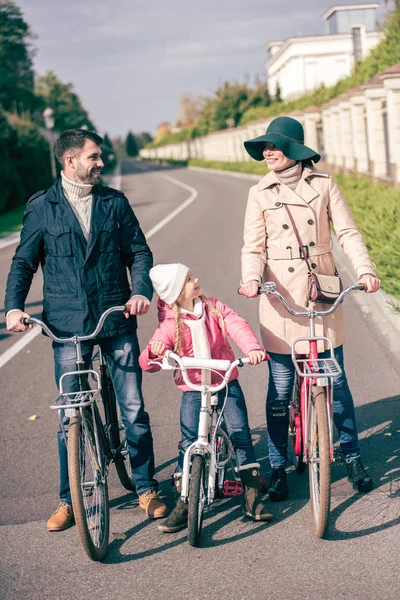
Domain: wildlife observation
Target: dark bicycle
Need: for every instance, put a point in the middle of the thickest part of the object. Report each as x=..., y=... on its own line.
x=93, y=441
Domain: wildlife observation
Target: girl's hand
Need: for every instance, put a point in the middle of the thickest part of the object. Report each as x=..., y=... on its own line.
x=157, y=348
x=370, y=283
x=250, y=289
x=256, y=356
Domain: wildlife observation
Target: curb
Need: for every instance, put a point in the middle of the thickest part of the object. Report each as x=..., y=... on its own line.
x=381, y=301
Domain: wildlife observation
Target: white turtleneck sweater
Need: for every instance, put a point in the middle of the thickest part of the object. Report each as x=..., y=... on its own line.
x=79, y=195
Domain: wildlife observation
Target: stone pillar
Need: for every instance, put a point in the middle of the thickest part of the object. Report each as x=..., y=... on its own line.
x=377, y=142
x=327, y=133
x=347, y=157
x=359, y=133
x=391, y=83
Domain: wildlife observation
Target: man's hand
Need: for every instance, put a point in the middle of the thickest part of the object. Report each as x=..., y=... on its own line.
x=256, y=356
x=250, y=289
x=370, y=283
x=13, y=321
x=157, y=348
x=137, y=305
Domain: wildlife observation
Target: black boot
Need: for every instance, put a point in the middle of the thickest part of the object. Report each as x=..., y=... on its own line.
x=178, y=518
x=278, y=487
x=358, y=476
x=252, y=504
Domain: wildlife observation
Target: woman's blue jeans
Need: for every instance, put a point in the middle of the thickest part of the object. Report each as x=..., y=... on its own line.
x=121, y=353
x=235, y=418
x=281, y=380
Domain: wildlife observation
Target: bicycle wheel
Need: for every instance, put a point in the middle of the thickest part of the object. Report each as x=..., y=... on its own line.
x=88, y=484
x=197, y=499
x=119, y=444
x=319, y=467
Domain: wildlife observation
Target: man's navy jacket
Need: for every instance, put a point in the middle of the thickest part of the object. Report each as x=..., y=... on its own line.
x=81, y=279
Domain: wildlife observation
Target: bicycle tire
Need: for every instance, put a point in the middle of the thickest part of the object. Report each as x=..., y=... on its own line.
x=197, y=499
x=120, y=443
x=89, y=490
x=319, y=466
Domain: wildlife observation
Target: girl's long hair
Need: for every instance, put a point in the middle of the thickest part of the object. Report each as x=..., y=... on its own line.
x=179, y=324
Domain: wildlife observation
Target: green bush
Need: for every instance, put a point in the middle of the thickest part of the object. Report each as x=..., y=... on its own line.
x=24, y=161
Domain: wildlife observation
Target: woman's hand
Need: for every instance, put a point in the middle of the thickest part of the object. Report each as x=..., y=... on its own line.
x=250, y=289
x=157, y=348
x=256, y=356
x=370, y=283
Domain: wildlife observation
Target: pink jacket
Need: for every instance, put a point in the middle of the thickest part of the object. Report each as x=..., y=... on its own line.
x=237, y=328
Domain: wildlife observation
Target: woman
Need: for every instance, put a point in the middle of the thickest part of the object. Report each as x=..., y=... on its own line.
x=271, y=253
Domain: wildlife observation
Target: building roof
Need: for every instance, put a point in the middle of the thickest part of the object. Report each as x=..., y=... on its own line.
x=337, y=7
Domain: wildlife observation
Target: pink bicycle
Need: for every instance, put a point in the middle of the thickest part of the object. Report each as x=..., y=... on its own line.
x=310, y=413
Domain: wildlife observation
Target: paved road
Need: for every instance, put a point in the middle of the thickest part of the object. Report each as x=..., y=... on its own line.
x=238, y=559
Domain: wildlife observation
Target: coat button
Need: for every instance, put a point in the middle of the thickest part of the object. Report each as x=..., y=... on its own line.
x=314, y=266
x=311, y=244
x=291, y=270
x=278, y=204
x=285, y=226
x=310, y=222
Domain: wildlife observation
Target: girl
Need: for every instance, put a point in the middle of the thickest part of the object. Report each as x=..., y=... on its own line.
x=191, y=324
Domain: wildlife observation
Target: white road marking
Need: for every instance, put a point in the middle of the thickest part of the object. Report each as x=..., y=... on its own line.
x=12, y=239
x=30, y=335
x=179, y=209
x=19, y=345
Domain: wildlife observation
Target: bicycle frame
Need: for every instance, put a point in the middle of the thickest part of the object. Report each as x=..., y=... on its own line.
x=209, y=416
x=68, y=403
x=313, y=370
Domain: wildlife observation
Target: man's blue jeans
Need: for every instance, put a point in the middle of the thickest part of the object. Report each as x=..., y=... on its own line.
x=121, y=353
x=235, y=418
x=281, y=380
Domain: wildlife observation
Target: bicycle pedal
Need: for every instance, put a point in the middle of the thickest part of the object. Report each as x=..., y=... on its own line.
x=232, y=488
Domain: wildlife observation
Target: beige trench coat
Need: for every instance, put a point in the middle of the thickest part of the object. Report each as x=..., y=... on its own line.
x=271, y=252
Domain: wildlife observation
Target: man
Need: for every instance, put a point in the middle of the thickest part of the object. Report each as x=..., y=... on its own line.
x=85, y=237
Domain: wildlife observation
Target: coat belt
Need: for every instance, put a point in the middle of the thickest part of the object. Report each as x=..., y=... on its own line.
x=291, y=253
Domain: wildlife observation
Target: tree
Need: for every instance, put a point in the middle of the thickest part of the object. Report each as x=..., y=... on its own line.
x=163, y=130
x=190, y=109
x=131, y=145
x=107, y=142
x=145, y=138
x=16, y=73
x=68, y=110
x=278, y=93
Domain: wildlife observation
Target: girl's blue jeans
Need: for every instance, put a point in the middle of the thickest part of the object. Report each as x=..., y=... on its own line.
x=235, y=418
x=281, y=380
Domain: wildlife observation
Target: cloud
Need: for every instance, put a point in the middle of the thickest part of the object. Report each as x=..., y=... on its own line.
x=129, y=60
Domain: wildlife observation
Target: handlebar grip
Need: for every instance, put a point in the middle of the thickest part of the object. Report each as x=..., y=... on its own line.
x=25, y=321
x=361, y=287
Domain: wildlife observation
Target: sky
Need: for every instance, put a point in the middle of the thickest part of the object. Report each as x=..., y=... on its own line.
x=130, y=60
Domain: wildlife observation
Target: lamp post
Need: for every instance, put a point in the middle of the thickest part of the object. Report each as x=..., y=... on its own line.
x=48, y=116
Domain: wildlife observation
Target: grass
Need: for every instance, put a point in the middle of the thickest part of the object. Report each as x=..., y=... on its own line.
x=11, y=222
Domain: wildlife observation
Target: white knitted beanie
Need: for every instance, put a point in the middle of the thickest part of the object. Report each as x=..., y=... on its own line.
x=168, y=280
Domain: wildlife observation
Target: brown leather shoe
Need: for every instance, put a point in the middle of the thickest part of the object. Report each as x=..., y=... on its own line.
x=61, y=519
x=152, y=505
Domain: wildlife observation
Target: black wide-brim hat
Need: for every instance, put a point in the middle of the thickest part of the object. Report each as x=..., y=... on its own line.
x=287, y=134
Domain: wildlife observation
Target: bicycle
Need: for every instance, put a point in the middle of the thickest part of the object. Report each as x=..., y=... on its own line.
x=310, y=409
x=92, y=444
x=208, y=458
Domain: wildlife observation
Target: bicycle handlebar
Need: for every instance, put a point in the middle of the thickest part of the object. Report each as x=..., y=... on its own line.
x=75, y=338
x=269, y=287
x=171, y=361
